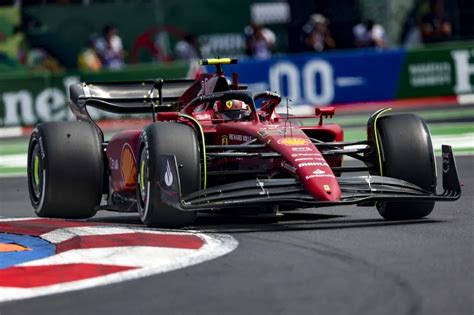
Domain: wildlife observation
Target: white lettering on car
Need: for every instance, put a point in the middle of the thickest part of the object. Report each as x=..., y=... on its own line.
x=301, y=149
x=318, y=176
x=243, y=138
x=310, y=159
x=305, y=164
x=306, y=154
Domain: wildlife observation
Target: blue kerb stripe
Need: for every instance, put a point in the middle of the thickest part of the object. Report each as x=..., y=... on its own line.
x=39, y=249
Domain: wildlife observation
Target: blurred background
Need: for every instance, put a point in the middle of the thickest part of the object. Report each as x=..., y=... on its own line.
x=357, y=55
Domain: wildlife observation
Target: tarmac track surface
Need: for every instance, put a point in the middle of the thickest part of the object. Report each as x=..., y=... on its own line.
x=344, y=260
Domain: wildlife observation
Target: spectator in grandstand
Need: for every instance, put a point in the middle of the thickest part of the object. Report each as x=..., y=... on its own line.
x=259, y=41
x=434, y=26
x=316, y=34
x=110, y=48
x=40, y=59
x=188, y=48
x=88, y=59
x=249, y=31
x=369, y=34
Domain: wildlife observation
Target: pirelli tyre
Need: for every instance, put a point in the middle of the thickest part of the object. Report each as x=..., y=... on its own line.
x=404, y=151
x=65, y=170
x=166, y=138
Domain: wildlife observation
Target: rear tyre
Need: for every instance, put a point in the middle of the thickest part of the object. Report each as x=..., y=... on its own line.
x=170, y=139
x=65, y=167
x=406, y=153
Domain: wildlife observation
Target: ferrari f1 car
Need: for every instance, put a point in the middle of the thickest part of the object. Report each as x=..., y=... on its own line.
x=214, y=145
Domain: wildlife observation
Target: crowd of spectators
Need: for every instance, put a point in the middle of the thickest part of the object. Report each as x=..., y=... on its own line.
x=369, y=34
x=316, y=35
x=103, y=52
x=435, y=26
x=430, y=24
x=259, y=41
x=15, y=50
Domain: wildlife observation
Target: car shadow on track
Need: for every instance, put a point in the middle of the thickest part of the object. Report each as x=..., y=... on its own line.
x=299, y=222
x=295, y=221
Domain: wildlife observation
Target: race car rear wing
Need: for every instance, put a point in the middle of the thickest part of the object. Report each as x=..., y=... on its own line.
x=128, y=97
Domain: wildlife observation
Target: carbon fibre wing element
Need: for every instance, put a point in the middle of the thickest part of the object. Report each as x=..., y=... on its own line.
x=356, y=190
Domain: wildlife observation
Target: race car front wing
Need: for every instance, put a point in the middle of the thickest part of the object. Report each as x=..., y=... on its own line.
x=358, y=190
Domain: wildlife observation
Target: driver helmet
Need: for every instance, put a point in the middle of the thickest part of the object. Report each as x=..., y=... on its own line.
x=232, y=110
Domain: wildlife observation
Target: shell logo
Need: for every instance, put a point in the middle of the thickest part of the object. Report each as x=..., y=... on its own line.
x=293, y=141
x=128, y=169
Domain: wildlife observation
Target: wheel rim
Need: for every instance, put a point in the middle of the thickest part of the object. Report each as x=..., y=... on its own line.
x=36, y=172
x=142, y=180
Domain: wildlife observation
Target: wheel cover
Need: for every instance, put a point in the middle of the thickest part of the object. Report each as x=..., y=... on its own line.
x=143, y=191
x=36, y=172
x=143, y=183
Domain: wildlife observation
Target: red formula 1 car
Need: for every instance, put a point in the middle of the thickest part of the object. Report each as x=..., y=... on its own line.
x=213, y=145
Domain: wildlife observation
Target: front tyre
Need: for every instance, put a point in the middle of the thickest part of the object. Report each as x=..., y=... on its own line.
x=405, y=152
x=175, y=139
x=65, y=167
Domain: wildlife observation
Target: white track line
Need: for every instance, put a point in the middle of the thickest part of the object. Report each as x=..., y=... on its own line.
x=149, y=260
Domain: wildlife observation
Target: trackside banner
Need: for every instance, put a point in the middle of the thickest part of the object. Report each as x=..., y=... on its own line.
x=365, y=75
x=440, y=70
x=329, y=77
x=30, y=98
x=323, y=78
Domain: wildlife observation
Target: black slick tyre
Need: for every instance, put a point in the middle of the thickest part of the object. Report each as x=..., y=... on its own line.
x=405, y=151
x=166, y=138
x=65, y=170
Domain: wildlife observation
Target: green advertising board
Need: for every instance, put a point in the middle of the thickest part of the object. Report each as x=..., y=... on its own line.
x=438, y=71
x=29, y=98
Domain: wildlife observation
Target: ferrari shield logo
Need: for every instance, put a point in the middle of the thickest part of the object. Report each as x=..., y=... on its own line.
x=229, y=104
x=225, y=140
x=293, y=141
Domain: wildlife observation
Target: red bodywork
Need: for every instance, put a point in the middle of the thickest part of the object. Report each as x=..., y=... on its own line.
x=299, y=157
